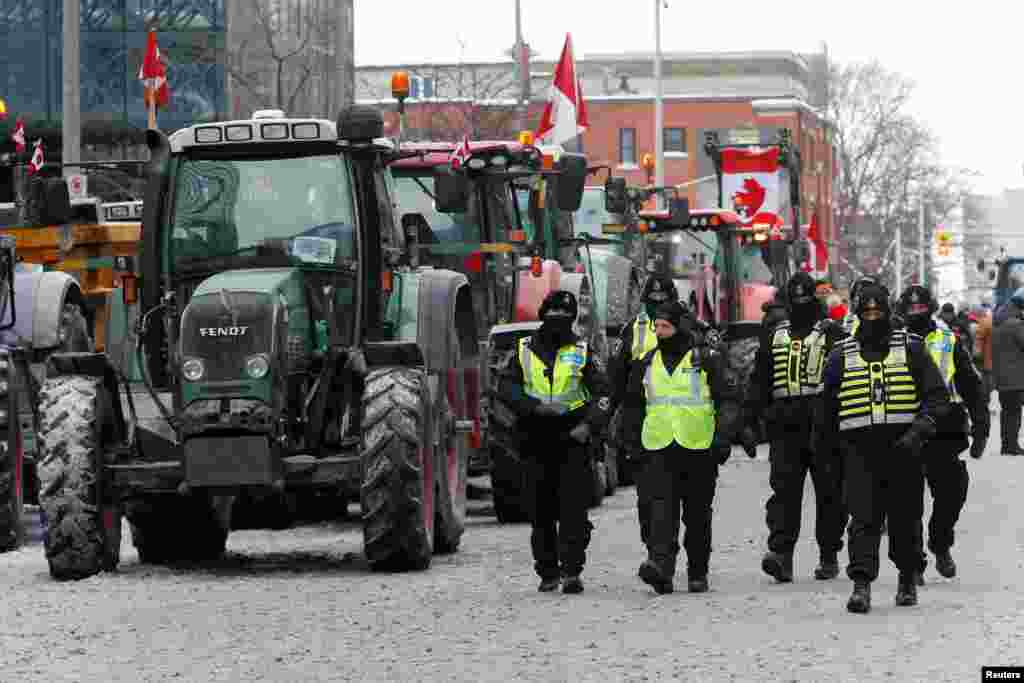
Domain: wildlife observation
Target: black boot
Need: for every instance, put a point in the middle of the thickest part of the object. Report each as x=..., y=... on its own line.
x=860, y=599
x=697, y=584
x=828, y=567
x=906, y=591
x=919, y=578
x=778, y=565
x=548, y=585
x=572, y=584
x=652, y=575
x=945, y=565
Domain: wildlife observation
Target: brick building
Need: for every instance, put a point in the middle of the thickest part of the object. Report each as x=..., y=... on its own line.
x=745, y=97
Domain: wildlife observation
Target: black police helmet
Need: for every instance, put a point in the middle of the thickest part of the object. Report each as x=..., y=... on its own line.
x=659, y=290
x=800, y=290
x=674, y=312
x=858, y=285
x=917, y=296
x=876, y=294
x=559, y=300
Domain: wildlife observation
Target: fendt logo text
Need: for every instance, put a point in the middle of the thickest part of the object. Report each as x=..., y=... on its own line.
x=223, y=331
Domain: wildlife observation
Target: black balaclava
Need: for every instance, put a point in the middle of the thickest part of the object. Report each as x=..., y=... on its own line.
x=802, y=305
x=917, y=306
x=857, y=287
x=681, y=319
x=658, y=290
x=557, y=314
x=874, y=296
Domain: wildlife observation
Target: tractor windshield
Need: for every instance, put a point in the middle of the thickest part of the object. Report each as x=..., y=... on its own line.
x=225, y=206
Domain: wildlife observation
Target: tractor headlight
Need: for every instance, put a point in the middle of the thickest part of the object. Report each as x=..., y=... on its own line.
x=193, y=369
x=257, y=366
x=3, y=417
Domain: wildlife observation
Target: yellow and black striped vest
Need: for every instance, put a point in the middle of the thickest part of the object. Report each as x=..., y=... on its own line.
x=878, y=393
x=564, y=389
x=797, y=364
x=850, y=323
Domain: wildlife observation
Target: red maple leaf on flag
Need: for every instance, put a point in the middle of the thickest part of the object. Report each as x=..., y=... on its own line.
x=37, y=162
x=153, y=75
x=461, y=154
x=19, y=136
x=750, y=199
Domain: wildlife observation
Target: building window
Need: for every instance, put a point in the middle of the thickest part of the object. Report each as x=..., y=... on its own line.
x=627, y=146
x=675, y=141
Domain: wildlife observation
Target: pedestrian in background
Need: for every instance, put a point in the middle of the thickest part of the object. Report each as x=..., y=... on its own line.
x=785, y=392
x=559, y=394
x=945, y=473
x=983, y=353
x=682, y=414
x=1008, y=373
x=883, y=398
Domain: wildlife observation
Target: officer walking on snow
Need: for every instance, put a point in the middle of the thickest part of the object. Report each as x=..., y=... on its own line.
x=636, y=340
x=559, y=393
x=883, y=398
x=680, y=416
x=945, y=472
x=785, y=390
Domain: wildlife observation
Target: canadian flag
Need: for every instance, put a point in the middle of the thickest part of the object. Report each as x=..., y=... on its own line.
x=153, y=75
x=461, y=154
x=19, y=136
x=565, y=115
x=750, y=181
x=818, y=262
x=37, y=161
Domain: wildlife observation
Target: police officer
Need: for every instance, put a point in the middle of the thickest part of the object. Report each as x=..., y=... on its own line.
x=680, y=414
x=850, y=320
x=945, y=472
x=883, y=398
x=636, y=340
x=785, y=390
x=559, y=393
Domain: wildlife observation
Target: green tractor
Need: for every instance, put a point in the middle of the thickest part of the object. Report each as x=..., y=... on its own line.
x=277, y=345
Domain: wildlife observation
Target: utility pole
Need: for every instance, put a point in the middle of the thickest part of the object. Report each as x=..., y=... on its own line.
x=71, y=131
x=920, y=247
x=899, y=261
x=659, y=107
x=522, y=58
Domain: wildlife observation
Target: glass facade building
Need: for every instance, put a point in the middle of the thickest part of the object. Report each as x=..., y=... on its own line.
x=191, y=35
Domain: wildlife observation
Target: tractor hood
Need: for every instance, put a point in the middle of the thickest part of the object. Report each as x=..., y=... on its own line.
x=234, y=316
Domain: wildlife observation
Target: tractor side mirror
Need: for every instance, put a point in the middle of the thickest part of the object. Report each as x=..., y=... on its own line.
x=451, y=192
x=572, y=178
x=678, y=212
x=615, y=199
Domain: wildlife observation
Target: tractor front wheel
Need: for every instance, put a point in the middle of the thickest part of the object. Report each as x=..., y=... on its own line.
x=397, y=492
x=83, y=529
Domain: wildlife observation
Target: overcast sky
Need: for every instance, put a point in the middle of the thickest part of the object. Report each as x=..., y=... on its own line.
x=965, y=57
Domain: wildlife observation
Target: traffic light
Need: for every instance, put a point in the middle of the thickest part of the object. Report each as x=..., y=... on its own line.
x=943, y=241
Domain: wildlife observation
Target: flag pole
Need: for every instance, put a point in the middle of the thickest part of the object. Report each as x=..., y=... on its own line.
x=152, y=112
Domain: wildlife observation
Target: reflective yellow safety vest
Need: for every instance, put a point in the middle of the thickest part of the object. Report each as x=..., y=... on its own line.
x=565, y=389
x=850, y=323
x=797, y=364
x=941, y=345
x=644, y=339
x=877, y=393
x=679, y=407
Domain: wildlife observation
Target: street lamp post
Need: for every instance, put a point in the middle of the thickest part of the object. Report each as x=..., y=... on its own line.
x=659, y=106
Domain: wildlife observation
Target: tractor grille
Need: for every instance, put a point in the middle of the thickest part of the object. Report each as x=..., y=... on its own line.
x=225, y=330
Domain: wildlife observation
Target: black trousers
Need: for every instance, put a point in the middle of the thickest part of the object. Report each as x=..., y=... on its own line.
x=678, y=484
x=880, y=483
x=1009, y=418
x=791, y=460
x=559, y=486
x=948, y=480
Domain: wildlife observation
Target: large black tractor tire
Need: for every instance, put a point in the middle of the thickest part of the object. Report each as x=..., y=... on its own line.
x=168, y=528
x=509, y=487
x=83, y=528
x=452, y=461
x=12, y=530
x=74, y=333
x=397, y=492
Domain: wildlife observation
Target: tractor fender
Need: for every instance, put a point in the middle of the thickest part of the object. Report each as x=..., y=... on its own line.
x=39, y=300
x=446, y=324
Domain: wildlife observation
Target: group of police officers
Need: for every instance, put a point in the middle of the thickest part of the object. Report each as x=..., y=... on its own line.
x=872, y=407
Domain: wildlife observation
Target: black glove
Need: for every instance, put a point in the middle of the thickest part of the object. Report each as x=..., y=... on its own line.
x=721, y=453
x=913, y=439
x=548, y=410
x=979, y=436
x=978, y=446
x=580, y=433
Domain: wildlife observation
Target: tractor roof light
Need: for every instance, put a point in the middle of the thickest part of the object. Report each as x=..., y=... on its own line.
x=536, y=266
x=548, y=162
x=526, y=138
x=647, y=162
x=643, y=227
x=400, y=85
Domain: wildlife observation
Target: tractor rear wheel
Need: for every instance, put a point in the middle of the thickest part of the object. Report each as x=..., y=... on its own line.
x=397, y=491
x=452, y=458
x=12, y=464
x=83, y=529
x=157, y=522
